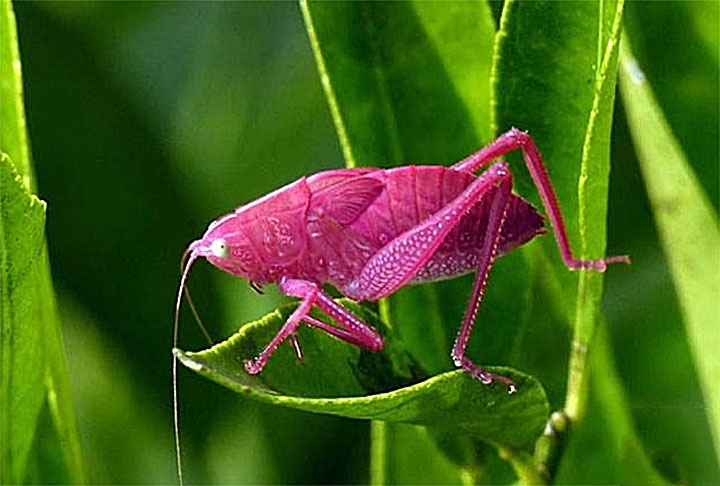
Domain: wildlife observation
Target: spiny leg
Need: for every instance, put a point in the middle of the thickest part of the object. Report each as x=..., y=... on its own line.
x=488, y=254
x=354, y=330
x=515, y=139
x=256, y=365
x=341, y=334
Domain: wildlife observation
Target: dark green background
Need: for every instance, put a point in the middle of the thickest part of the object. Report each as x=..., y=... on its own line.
x=148, y=120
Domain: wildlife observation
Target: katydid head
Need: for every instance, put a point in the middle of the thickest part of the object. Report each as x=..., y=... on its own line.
x=226, y=246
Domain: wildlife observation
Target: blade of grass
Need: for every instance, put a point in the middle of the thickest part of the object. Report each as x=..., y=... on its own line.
x=592, y=203
x=22, y=220
x=33, y=357
x=688, y=226
x=555, y=80
x=13, y=136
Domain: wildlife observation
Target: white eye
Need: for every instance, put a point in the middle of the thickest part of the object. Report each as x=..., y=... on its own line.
x=219, y=248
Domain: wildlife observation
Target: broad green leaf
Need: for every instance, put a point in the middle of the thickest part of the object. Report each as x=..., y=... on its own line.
x=33, y=358
x=688, y=226
x=339, y=379
x=408, y=83
x=554, y=77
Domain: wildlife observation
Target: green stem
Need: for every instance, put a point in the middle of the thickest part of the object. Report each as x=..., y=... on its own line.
x=378, y=453
x=379, y=429
x=523, y=465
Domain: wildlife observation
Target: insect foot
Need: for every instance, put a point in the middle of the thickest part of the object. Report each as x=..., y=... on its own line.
x=253, y=366
x=482, y=375
x=599, y=265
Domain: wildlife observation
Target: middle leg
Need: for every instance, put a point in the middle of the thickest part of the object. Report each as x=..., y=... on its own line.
x=488, y=254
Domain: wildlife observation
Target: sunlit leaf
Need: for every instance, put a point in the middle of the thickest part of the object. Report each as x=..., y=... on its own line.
x=340, y=379
x=688, y=226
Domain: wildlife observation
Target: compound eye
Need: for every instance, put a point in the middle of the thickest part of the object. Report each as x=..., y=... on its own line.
x=219, y=248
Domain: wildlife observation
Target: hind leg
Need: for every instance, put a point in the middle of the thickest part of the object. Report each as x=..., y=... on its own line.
x=515, y=139
x=401, y=259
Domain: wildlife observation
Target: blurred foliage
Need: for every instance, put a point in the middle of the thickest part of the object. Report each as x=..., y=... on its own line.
x=147, y=120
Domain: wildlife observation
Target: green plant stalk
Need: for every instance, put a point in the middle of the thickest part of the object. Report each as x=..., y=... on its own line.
x=378, y=428
x=378, y=453
x=590, y=283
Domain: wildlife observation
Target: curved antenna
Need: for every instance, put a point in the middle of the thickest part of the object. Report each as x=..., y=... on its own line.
x=189, y=256
x=197, y=317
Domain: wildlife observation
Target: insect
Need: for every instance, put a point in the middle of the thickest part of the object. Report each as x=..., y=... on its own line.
x=369, y=232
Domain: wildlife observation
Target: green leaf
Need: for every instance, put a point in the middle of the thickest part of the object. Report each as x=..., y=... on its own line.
x=339, y=379
x=555, y=76
x=688, y=227
x=34, y=370
x=22, y=223
x=407, y=82
x=13, y=136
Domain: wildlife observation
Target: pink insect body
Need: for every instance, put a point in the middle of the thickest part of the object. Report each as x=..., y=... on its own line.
x=369, y=232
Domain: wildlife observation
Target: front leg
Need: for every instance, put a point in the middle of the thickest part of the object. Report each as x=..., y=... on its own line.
x=353, y=329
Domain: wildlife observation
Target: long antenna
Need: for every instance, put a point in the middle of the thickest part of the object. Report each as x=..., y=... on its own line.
x=190, y=255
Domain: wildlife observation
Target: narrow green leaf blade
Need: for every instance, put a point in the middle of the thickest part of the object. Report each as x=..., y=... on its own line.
x=339, y=379
x=688, y=226
x=555, y=76
x=13, y=136
x=407, y=82
x=22, y=225
x=33, y=356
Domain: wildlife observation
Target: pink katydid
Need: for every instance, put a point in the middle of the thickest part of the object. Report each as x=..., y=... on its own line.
x=369, y=231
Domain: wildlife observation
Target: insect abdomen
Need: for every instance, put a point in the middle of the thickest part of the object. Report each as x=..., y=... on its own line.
x=414, y=193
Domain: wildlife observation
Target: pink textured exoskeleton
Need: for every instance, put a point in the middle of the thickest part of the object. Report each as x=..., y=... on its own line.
x=368, y=232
